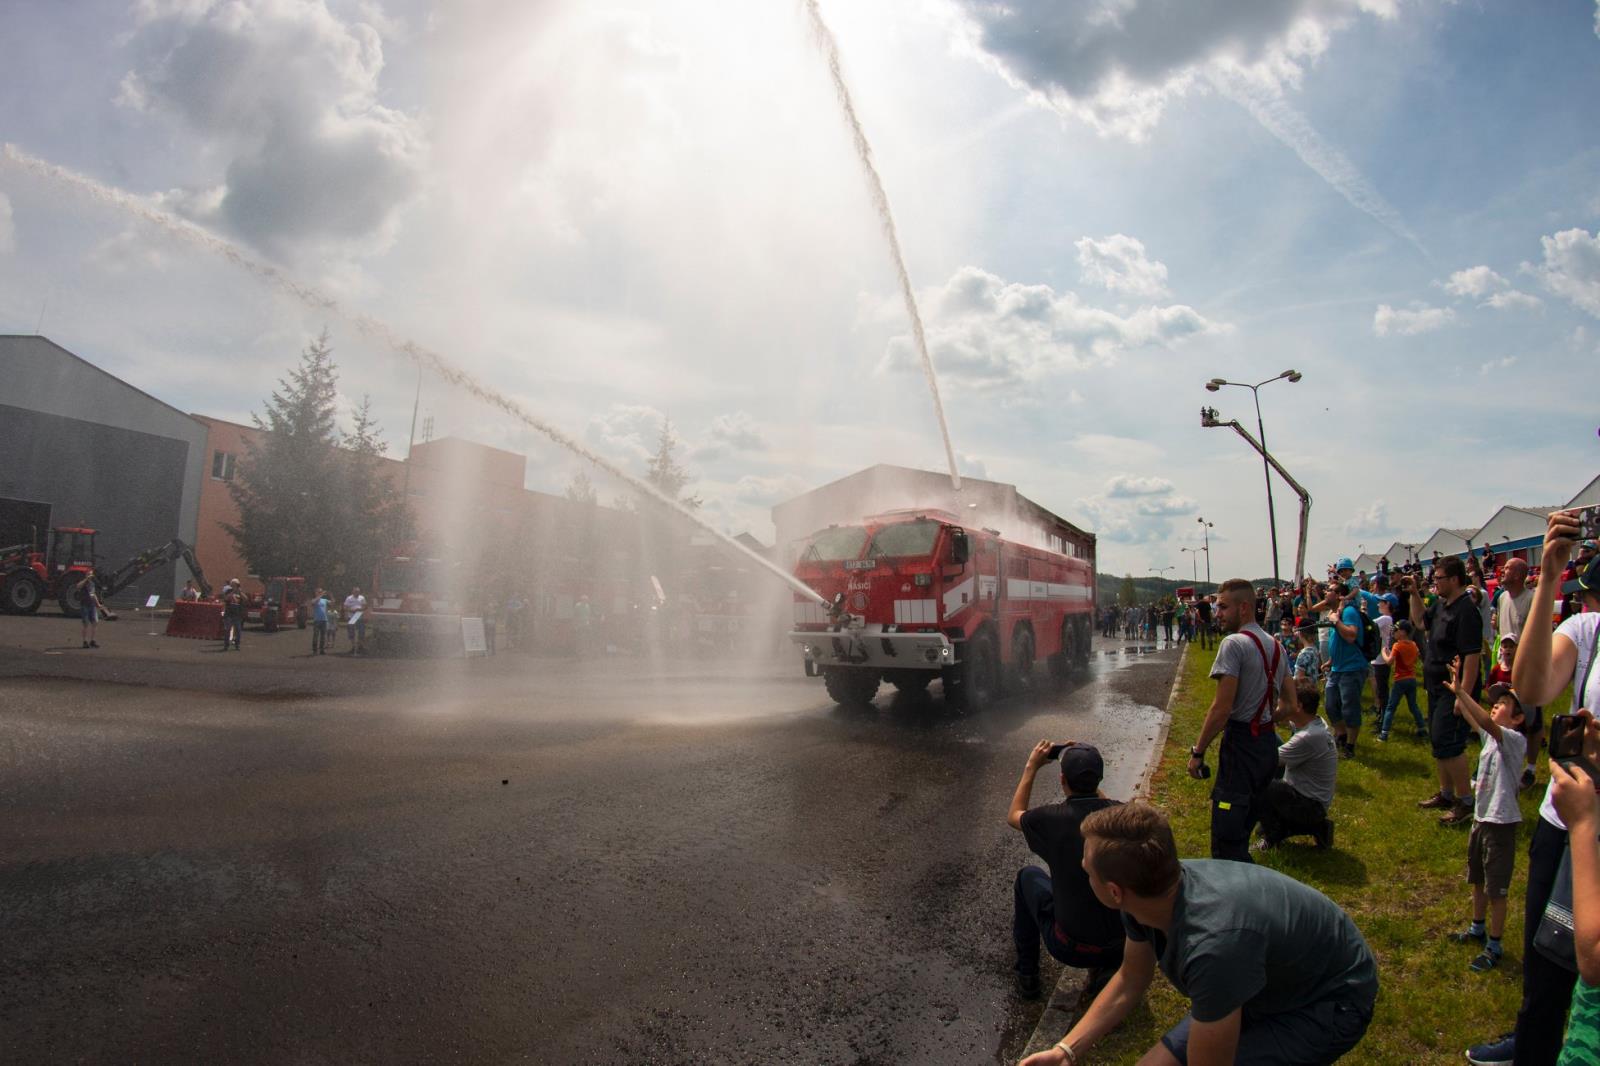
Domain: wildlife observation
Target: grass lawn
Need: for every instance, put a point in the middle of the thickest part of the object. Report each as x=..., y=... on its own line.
x=1397, y=872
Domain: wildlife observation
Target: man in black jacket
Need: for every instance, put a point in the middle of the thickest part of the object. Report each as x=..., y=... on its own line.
x=1059, y=907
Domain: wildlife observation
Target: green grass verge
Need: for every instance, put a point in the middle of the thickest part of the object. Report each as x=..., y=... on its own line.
x=1399, y=874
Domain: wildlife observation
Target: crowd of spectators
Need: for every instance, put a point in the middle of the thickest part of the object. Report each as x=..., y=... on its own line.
x=1274, y=971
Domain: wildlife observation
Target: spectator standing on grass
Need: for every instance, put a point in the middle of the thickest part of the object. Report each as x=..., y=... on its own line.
x=1545, y=665
x=1275, y=972
x=1511, y=606
x=1384, y=620
x=1254, y=686
x=1059, y=907
x=1455, y=638
x=1401, y=658
x=319, y=623
x=1573, y=793
x=1297, y=805
x=355, y=607
x=1533, y=726
x=1308, y=659
x=1347, y=672
x=1205, y=609
x=1492, y=847
x=89, y=609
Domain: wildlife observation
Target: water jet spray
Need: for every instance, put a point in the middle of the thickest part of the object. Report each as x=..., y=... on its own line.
x=377, y=330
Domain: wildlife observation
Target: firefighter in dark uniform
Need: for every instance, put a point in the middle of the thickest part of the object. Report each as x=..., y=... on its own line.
x=1255, y=685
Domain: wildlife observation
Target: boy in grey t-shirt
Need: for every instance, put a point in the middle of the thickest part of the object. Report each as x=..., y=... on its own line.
x=1298, y=804
x=1492, y=848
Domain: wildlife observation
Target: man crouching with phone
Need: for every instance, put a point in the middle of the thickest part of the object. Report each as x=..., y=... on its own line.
x=1059, y=907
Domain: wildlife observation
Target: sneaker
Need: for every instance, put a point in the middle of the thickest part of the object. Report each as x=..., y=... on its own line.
x=86, y=644
x=94, y=644
x=1437, y=802
x=1467, y=936
x=1347, y=751
x=1324, y=836
x=1460, y=816
x=1383, y=738
x=1028, y=985
x=1497, y=1052
x=1264, y=844
x=1486, y=960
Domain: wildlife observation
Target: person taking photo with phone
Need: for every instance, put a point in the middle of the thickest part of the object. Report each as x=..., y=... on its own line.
x=1546, y=663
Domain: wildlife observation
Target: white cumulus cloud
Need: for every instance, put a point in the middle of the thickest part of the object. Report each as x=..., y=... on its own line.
x=1408, y=322
x=985, y=331
x=1571, y=268
x=1370, y=521
x=1483, y=284
x=1129, y=485
x=8, y=229
x=1503, y=363
x=1119, y=263
x=285, y=94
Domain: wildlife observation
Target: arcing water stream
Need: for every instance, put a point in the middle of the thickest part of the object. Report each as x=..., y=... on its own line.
x=372, y=327
x=880, y=201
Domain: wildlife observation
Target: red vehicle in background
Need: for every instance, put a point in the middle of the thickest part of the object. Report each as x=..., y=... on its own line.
x=281, y=602
x=916, y=596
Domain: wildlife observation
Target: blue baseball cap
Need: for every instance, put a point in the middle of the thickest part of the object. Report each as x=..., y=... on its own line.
x=1344, y=564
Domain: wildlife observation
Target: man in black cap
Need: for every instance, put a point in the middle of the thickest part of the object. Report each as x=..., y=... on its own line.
x=1059, y=907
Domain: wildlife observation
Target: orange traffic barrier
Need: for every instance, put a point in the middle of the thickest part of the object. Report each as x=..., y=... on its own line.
x=200, y=619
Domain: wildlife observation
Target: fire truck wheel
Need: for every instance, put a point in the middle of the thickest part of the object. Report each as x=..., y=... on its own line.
x=849, y=686
x=980, y=683
x=299, y=619
x=1063, y=662
x=1019, y=677
x=269, y=620
x=23, y=593
x=910, y=682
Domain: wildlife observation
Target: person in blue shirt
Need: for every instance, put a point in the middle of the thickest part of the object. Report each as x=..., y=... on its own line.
x=319, y=623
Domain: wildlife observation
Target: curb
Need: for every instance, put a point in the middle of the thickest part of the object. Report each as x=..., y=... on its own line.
x=1061, y=1010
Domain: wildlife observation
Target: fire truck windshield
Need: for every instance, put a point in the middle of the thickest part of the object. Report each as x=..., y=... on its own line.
x=422, y=577
x=903, y=540
x=832, y=545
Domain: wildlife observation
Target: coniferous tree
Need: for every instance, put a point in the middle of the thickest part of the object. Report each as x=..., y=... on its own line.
x=666, y=474
x=371, y=509
x=581, y=490
x=285, y=486
x=1129, y=595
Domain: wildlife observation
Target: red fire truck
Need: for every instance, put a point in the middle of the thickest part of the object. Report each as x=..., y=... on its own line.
x=914, y=596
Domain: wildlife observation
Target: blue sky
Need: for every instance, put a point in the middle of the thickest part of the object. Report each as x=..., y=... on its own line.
x=618, y=210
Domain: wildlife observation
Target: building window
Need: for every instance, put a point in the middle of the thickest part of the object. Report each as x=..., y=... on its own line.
x=222, y=466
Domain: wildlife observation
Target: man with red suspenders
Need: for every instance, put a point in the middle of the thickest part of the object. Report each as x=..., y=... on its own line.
x=1255, y=686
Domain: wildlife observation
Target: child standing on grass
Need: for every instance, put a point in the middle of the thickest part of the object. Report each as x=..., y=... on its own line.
x=1401, y=655
x=1492, y=847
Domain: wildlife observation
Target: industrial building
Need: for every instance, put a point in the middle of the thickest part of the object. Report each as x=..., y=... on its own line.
x=83, y=448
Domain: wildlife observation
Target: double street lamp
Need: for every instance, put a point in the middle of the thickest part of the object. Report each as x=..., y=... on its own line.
x=1194, y=562
x=1205, y=531
x=1162, y=570
x=1216, y=385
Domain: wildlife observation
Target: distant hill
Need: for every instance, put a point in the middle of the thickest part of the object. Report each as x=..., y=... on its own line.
x=1107, y=586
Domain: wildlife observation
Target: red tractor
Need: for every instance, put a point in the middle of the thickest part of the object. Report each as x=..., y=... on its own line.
x=29, y=576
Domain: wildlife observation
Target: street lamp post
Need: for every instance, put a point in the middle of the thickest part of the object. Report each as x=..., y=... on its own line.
x=1215, y=385
x=1162, y=570
x=1205, y=530
x=1194, y=563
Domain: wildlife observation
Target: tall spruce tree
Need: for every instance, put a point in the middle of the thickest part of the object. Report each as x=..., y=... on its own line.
x=374, y=514
x=666, y=474
x=1129, y=594
x=285, y=486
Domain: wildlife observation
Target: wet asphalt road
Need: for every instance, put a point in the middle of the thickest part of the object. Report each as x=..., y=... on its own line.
x=513, y=860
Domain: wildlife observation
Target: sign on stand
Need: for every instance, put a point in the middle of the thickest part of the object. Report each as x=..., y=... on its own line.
x=473, y=639
x=150, y=604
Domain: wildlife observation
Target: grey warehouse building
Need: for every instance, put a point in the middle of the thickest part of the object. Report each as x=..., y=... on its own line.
x=81, y=447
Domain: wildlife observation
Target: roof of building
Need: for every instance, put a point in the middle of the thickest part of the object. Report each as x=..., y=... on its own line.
x=41, y=339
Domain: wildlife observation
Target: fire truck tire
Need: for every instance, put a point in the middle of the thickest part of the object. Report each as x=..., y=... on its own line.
x=980, y=680
x=23, y=593
x=909, y=682
x=299, y=619
x=1063, y=662
x=269, y=620
x=848, y=686
x=1019, y=675
x=1081, y=641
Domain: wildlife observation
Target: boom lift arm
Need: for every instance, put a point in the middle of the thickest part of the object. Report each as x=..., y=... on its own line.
x=1208, y=419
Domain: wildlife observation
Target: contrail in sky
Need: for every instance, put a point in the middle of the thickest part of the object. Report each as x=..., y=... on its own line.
x=1330, y=164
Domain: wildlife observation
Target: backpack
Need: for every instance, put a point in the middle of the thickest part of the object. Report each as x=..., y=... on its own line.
x=1371, y=639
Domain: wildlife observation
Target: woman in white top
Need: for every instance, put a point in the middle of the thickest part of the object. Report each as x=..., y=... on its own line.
x=1546, y=664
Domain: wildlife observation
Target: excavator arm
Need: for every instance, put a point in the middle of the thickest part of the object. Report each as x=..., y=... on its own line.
x=146, y=561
